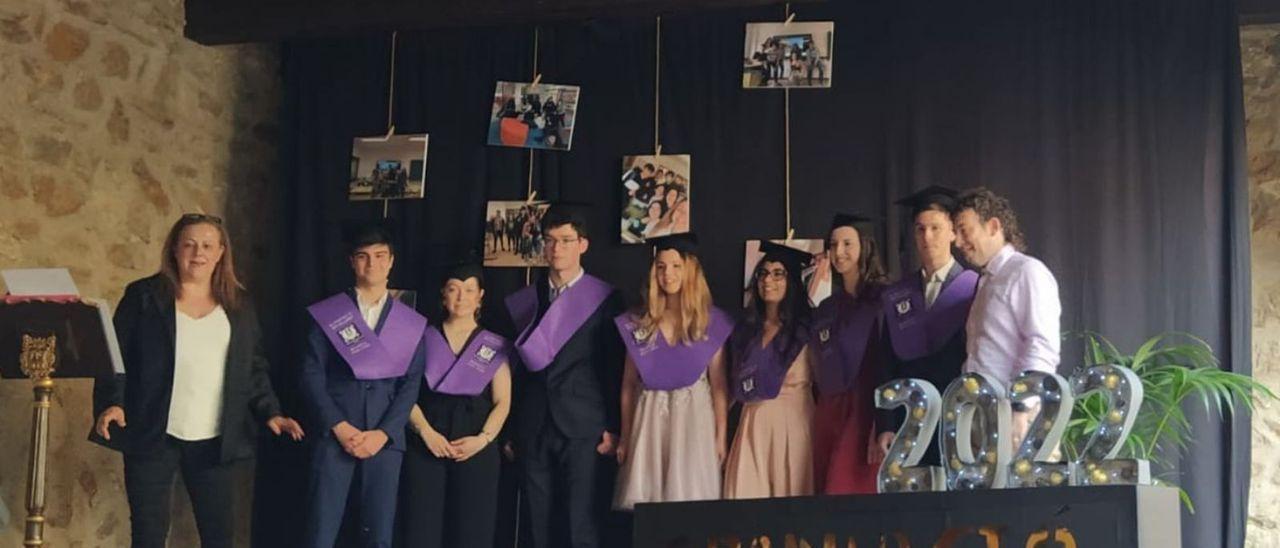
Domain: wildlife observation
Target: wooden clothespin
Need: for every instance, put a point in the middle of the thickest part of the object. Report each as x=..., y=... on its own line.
x=532, y=196
x=789, y=19
x=791, y=233
x=659, y=151
x=537, y=78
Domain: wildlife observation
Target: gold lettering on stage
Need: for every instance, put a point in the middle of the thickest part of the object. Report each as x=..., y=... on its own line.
x=949, y=537
x=1062, y=536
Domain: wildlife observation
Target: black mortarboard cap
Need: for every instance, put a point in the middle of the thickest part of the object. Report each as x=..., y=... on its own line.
x=857, y=221
x=686, y=243
x=794, y=259
x=464, y=270
x=931, y=195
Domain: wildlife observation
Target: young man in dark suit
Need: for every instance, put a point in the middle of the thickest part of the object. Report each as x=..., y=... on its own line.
x=925, y=311
x=361, y=371
x=567, y=388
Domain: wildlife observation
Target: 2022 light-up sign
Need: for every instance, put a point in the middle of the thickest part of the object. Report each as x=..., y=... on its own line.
x=985, y=458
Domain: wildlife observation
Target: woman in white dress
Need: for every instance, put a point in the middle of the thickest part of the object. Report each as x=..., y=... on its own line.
x=674, y=396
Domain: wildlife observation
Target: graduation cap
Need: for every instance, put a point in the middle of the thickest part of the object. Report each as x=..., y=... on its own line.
x=686, y=243
x=563, y=213
x=794, y=259
x=362, y=233
x=463, y=270
x=857, y=221
x=933, y=195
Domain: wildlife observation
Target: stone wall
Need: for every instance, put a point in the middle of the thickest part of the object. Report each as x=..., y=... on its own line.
x=1260, y=46
x=112, y=125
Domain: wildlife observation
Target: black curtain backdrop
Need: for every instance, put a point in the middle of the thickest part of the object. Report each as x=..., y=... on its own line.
x=1115, y=127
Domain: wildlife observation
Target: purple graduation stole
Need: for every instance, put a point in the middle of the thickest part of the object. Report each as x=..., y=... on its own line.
x=842, y=329
x=468, y=373
x=541, y=339
x=916, y=331
x=665, y=367
x=371, y=356
x=757, y=373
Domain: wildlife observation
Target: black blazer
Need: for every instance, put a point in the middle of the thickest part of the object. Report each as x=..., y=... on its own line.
x=145, y=325
x=939, y=368
x=580, y=390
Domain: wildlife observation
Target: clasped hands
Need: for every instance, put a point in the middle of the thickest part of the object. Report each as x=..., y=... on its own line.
x=458, y=450
x=361, y=444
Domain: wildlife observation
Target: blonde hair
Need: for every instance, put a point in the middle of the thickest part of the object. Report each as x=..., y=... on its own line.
x=227, y=290
x=694, y=307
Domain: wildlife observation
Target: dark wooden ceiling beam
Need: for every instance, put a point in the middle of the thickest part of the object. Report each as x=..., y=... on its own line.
x=214, y=22
x=1255, y=12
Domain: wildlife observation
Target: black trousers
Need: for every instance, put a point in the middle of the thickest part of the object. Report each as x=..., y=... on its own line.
x=445, y=503
x=148, y=483
x=560, y=473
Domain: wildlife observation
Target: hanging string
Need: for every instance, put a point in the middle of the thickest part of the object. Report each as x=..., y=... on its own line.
x=391, y=96
x=391, y=88
x=786, y=137
x=657, y=86
x=529, y=189
x=528, y=271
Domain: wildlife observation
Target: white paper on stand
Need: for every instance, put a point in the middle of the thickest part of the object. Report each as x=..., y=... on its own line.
x=38, y=282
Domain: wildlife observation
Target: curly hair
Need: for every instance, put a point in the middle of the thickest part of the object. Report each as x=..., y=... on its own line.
x=989, y=205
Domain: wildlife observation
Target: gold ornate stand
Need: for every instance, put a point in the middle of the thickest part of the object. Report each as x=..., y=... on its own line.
x=38, y=356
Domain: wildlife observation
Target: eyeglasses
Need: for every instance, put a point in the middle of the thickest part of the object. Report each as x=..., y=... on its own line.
x=563, y=242
x=201, y=218
x=776, y=274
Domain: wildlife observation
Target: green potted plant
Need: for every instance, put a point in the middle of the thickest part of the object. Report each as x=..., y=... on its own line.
x=1173, y=366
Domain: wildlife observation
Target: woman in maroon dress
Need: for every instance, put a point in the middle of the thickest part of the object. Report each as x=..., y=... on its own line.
x=847, y=357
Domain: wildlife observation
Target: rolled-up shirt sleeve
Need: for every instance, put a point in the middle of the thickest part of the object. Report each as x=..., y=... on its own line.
x=1038, y=310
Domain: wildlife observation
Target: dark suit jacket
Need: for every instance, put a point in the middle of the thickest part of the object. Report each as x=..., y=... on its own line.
x=145, y=323
x=333, y=394
x=580, y=390
x=939, y=368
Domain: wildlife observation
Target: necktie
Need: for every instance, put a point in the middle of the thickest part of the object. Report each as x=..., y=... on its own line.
x=931, y=290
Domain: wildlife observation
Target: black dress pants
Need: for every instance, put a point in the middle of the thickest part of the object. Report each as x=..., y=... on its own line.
x=446, y=503
x=148, y=482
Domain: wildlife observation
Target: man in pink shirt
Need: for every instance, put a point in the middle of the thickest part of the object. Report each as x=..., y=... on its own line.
x=1013, y=325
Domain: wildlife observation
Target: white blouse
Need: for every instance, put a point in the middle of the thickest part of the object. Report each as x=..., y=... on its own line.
x=199, y=370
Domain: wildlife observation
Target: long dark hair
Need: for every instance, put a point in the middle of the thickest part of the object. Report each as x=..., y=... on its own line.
x=227, y=290
x=793, y=311
x=871, y=273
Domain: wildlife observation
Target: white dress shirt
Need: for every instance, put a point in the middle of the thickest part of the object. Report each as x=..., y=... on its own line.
x=556, y=291
x=933, y=284
x=1013, y=325
x=371, y=312
x=199, y=370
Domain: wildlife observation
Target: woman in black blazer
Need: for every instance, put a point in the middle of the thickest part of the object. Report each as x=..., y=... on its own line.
x=195, y=386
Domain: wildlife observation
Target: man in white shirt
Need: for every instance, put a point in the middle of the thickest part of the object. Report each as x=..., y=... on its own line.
x=1013, y=325
x=361, y=370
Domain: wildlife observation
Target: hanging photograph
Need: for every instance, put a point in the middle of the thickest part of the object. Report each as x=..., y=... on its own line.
x=816, y=277
x=788, y=55
x=529, y=116
x=656, y=191
x=513, y=234
x=388, y=169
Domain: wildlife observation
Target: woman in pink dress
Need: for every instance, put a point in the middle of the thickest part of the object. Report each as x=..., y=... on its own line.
x=770, y=375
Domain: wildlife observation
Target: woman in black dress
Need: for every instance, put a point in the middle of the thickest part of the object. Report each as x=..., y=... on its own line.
x=449, y=482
